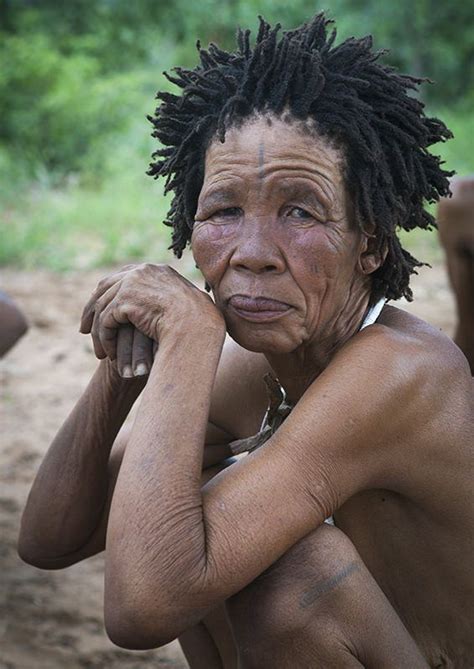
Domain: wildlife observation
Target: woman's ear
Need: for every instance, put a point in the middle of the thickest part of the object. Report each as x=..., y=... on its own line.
x=371, y=255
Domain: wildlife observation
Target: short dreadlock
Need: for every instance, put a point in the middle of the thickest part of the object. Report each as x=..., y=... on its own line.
x=346, y=93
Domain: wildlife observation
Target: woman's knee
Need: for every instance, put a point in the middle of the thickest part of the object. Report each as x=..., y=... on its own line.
x=320, y=603
x=311, y=581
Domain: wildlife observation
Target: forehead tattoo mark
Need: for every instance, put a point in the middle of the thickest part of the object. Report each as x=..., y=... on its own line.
x=261, y=161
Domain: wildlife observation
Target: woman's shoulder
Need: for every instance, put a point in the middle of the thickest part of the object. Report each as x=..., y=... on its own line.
x=417, y=364
x=402, y=336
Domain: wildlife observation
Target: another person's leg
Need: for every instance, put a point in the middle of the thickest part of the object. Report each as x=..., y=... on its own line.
x=456, y=231
x=12, y=323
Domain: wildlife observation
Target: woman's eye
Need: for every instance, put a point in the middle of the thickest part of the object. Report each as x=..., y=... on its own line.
x=228, y=212
x=298, y=212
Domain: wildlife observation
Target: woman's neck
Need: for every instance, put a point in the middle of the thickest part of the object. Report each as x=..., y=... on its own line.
x=297, y=370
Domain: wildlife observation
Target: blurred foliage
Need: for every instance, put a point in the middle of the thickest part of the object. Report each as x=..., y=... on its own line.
x=72, y=73
x=78, y=78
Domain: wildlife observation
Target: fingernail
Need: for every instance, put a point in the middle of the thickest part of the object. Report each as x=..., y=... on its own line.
x=141, y=369
x=127, y=372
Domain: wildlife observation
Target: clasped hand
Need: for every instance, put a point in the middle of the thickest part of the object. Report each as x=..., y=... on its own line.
x=132, y=310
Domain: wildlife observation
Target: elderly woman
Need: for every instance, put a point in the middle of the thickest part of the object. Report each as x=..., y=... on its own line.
x=292, y=165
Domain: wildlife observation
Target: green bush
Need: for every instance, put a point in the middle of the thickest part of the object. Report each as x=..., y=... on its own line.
x=56, y=110
x=78, y=78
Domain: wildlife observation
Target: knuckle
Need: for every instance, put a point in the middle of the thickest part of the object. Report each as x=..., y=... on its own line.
x=97, y=307
x=142, y=267
x=160, y=268
x=102, y=283
x=127, y=268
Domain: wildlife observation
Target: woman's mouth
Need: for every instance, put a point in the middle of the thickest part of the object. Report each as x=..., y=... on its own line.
x=258, y=309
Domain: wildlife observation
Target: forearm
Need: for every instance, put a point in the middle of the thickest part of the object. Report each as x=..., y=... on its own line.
x=159, y=487
x=68, y=495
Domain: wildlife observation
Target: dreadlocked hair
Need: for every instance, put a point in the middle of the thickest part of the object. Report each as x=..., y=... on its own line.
x=348, y=95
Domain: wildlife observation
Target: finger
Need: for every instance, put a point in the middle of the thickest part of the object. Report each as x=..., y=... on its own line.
x=89, y=310
x=110, y=319
x=103, y=287
x=98, y=350
x=102, y=303
x=124, y=350
x=142, y=355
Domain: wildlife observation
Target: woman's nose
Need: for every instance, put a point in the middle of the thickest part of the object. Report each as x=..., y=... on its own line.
x=257, y=250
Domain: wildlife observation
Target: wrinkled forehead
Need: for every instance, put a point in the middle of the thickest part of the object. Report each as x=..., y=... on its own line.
x=269, y=151
x=266, y=144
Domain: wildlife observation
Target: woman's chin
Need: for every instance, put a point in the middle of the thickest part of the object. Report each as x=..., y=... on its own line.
x=263, y=340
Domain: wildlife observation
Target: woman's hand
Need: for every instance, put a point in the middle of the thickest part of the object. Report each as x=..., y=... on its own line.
x=132, y=310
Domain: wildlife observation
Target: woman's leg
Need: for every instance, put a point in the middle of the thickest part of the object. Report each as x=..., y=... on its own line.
x=319, y=606
x=210, y=644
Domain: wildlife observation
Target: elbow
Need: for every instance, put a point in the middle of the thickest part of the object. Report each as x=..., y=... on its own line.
x=34, y=559
x=31, y=554
x=151, y=619
x=134, y=630
x=27, y=552
x=129, y=638
x=144, y=610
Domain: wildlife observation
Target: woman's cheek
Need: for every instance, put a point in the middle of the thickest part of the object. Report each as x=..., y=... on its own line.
x=211, y=247
x=318, y=249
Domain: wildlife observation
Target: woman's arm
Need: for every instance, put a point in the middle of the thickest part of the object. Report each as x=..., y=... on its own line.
x=69, y=494
x=182, y=551
x=175, y=551
x=82, y=449
x=158, y=490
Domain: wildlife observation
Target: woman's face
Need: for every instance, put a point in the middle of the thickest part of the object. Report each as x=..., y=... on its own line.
x=272, y=236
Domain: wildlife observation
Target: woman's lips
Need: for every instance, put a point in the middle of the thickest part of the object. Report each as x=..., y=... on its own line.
x=258, y=308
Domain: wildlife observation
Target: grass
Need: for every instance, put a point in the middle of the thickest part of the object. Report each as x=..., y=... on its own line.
x=76, y=227
x=85, y=221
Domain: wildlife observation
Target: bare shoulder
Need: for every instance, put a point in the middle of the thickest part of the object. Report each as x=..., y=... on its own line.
x=425, y=364
x=427, y=386
x=409, y=348
x=239, y=398
x=431, y=356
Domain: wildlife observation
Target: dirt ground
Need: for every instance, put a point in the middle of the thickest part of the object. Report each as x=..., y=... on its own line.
x=53, y=620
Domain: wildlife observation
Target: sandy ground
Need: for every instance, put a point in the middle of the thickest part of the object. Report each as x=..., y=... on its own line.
x=53, y=620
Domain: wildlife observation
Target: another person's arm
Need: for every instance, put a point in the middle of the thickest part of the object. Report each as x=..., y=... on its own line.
x=456, y=231
x=13, y=324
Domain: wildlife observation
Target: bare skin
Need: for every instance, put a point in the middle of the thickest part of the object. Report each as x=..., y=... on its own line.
x=371, y=441
x=456, y=232
x=13, y=324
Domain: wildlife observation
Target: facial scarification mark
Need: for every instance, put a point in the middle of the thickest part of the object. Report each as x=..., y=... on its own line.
x=326, y=585
x=261, y=161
